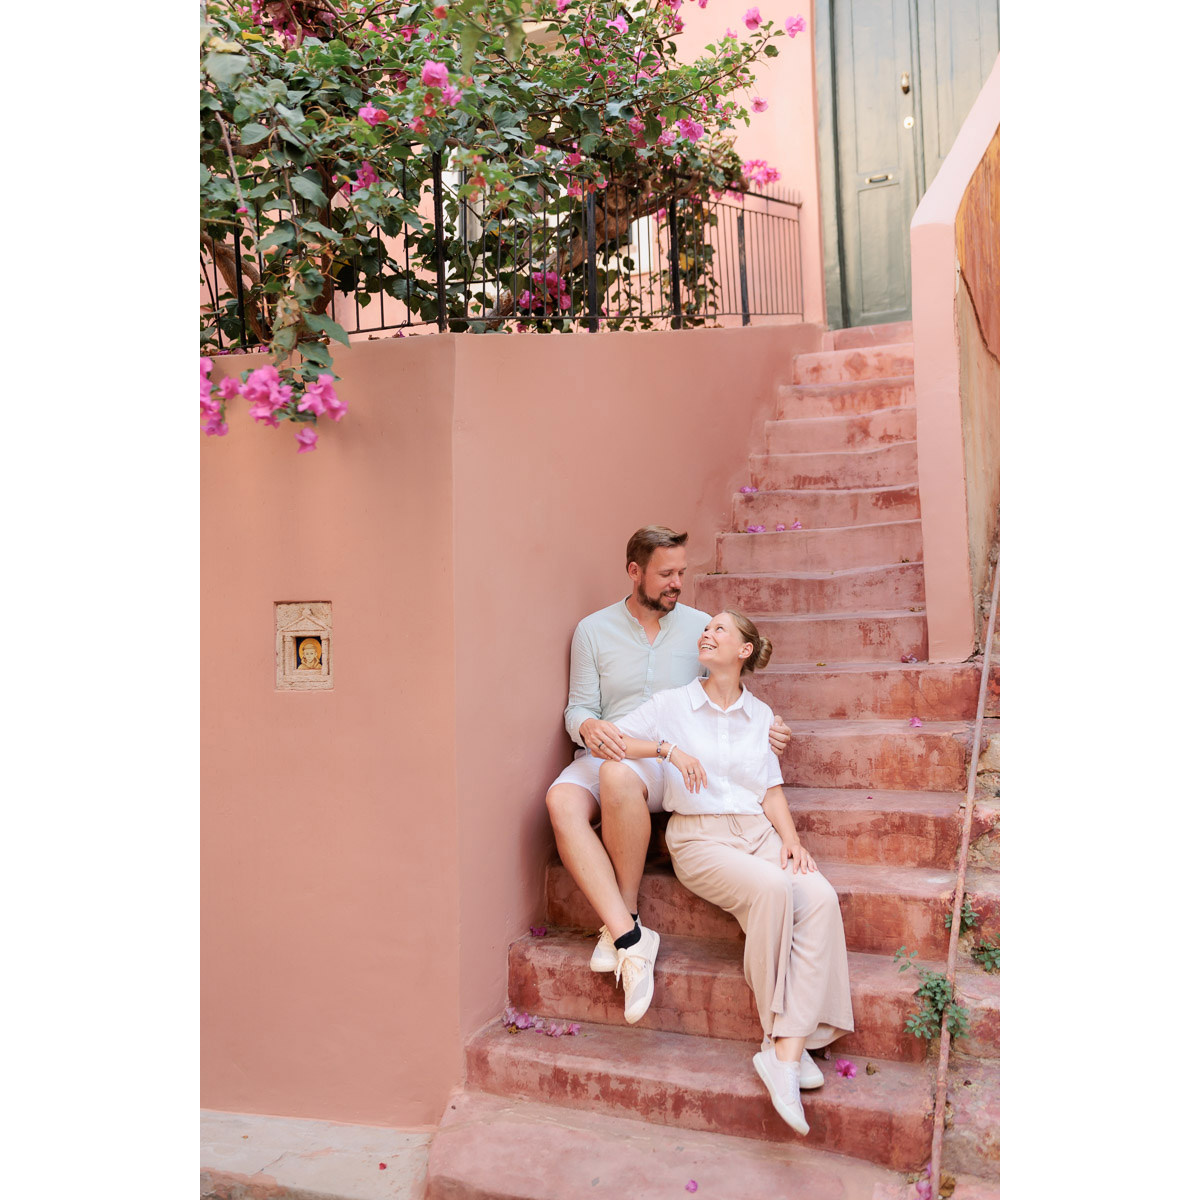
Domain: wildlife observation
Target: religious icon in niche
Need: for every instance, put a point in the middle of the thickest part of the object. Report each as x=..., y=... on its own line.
x=308, y=654
x=303, y=646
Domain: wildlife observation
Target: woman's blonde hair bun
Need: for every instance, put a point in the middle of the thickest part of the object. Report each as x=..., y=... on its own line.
x=761, y=654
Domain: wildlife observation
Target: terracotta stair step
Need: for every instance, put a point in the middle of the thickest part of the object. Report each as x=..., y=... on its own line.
x=871, y=690
x=889, y=754
x=883, y=466
x=887, y=543
x=798, y=400
x=871, y=335
x=856, y=362
x=921, y=829
x=700, y=988
x=972, y=1142
x=794, y=593
x=855, y=636
x=853, y=431
x=706, y=1084
x=884, y=907
x=819, y=508
x=502, y=1148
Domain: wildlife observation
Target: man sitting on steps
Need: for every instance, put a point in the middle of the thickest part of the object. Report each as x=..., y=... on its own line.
x=620, y=656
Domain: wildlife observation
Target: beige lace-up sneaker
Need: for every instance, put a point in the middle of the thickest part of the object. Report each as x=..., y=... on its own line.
x=635, y=970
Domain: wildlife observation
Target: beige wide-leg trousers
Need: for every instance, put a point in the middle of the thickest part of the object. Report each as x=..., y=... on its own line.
x=795, y=960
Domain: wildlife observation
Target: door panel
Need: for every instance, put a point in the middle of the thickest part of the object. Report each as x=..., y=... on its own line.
x=877, y=162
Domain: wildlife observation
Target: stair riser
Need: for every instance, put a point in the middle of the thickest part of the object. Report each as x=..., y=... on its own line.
x=929, y=761
x=831, y=434
x=933, y=692
x=887, y=588
x=866, y=639
x=886, y=467
x=873, y=335
x=839, y=366
x=801, y=402
x=705, y=1003
x=826, y=510
x=741, y=1107
x=874, y=923
x=914, y=839
x=819, y=549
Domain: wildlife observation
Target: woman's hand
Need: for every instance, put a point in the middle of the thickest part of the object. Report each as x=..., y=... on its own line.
x=694, y=777
x=801, y=859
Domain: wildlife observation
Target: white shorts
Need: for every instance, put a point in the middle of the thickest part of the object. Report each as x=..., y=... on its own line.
x=584, y=771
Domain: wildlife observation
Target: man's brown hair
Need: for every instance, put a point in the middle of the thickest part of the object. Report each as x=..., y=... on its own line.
x=648, y=539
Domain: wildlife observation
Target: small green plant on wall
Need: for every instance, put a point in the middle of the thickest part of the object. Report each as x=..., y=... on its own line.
x=987, y=954
x=937, y=997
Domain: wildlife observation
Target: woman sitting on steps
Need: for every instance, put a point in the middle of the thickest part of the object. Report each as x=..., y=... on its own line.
x=733, y=843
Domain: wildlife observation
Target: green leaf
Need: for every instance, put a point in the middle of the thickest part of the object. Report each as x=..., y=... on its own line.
x=322, y=230
x=252, y=133
x=771, y=51
x=469, y=39
x=315, y=352
x=310, y=189
x=322, y=324
x=285, y=339
x=225, y=69
x=281, y=235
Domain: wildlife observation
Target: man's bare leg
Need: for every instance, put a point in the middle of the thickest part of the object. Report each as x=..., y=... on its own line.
x=625, y=828
x=572, y=810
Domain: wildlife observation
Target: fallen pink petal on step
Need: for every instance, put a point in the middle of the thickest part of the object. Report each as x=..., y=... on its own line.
x=846, y=1069
x=537, y=930
x=690, y=1186
x=797, y=525
x=924, y=1189
x=780, y=527
x=756, y=528
x=915, y=722
x=383, y=1166
x=908, y=658
x=748, y=490
x=573, y=1028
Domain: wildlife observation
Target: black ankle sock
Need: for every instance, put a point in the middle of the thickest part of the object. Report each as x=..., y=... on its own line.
x=628, y=939
x=635, y=917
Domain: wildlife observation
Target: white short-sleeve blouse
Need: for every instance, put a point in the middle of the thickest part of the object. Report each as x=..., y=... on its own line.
x=731, y=745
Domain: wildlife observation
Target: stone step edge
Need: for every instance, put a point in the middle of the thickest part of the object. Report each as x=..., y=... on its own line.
x=774, y=455
x=632, y=1139
x=875, y=614
x=819, y=492
x=890, y=347
x=832, y=573
x=843, y=385
x=843, y=417
x=822, y=529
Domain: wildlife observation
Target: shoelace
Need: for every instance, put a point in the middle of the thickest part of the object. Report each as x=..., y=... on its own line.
x=636, y=962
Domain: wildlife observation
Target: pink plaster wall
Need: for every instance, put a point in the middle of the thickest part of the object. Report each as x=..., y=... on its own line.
x=370, y=852
x=942, y=463
x=786, y=134
x=328, y=828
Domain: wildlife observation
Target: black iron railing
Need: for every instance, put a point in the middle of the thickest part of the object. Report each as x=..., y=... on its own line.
x=584, y=260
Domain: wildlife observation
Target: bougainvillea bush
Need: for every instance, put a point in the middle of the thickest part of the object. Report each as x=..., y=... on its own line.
x=323, y=123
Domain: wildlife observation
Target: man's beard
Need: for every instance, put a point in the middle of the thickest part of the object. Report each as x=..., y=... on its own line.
x=656, y=605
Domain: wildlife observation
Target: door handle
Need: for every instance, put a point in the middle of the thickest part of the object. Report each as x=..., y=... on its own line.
x=904, y=83
x=878, y=178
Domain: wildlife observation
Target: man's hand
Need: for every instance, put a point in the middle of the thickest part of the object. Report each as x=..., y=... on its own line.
x=801, y=859
x=779, y=735
x=694, y=775
x=603, y=739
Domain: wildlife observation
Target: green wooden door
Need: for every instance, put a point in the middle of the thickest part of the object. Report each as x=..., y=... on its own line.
x=895, y=79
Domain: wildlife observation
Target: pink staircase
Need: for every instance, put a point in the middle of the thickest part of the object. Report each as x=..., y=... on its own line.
x=640, y=1112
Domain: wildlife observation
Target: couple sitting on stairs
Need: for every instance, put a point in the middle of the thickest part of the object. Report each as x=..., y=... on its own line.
x=656, y=736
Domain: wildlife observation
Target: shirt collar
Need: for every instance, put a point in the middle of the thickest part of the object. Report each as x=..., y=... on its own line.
x=699, y=698
x=664, y=620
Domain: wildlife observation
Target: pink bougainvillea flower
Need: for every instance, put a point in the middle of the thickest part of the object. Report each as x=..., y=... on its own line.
x=241, y=208
x=908, y=658
x=575, y=191
x=553, y=1030
x=383, y=1166
x=451, y=94
x=262, y=386
x=439, y=12
x=753, y=18
x=619, y=24
x=676, y=24
x=748, y=489
x=846, y=1069
x=780, y=527
x=371, y=114
x=573, y=1028
x=537, y=930
x=229, y=387
x=690, y=1186
x=915, y=722
x=636, y=127
x=795, y=25
x=205, y=367
x=666, y=137
x=924, y=1189
x=562, y=6
x=756, y=528
x=216, y=427
x=307, y=439
x=690, y=128
x=408, y=32
x=758, y=104
x=435, y=74
x=523, y=1021
x=797, y=525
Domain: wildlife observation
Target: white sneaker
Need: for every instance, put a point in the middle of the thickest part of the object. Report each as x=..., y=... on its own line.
x=810, y=1073
x=783, y=1085
x=635, y=970
x=604, y=957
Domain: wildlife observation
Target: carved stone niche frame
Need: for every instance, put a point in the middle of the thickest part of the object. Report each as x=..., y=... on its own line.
x=296, y=621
